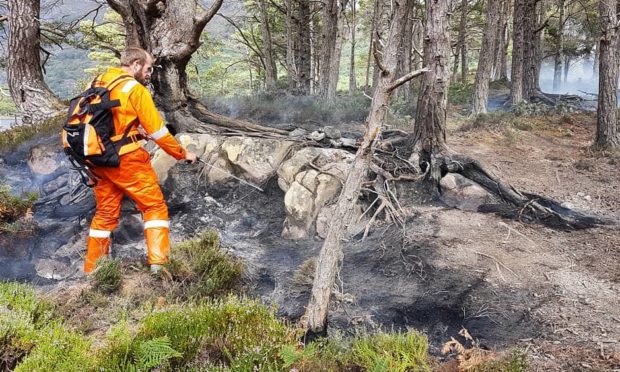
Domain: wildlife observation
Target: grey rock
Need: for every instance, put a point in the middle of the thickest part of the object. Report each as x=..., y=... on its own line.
x=331, y=132
x=462, y=193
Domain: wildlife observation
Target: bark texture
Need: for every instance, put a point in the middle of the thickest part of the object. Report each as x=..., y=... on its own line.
x=271, y=72
x=429, y=133
x=31, y=95
x=461, y=46
x=557, y=58
x=330, y=258
x=516, y=75
x=485, y=61
x=331, y=47
x=607, y=134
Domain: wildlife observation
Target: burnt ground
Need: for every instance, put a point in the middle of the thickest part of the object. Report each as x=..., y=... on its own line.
x=511, y=284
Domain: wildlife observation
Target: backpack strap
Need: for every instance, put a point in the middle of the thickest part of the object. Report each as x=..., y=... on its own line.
x=111, y=103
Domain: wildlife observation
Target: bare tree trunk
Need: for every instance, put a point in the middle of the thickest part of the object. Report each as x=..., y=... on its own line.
x=429, y=132
x=404, y=58
x=595, y=64
x=557, y=59
x=607, y=133
x=499, y=61
x=516, y=76
x=530, y=61
x=507, y=12
x=462, y=44
x=485, y=61
x=29, y=92
x=330, y=258
x=291, y=31
x=271, y=72
x=352, y=27
x=566, y=67
x=331, y=44
x=371, y=40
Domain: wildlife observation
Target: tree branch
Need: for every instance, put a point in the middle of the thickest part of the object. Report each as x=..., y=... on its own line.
x=403, y=79
x=119, y=6
x=201, y=20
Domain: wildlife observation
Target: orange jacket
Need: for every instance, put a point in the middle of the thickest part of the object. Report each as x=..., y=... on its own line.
x=138, y=110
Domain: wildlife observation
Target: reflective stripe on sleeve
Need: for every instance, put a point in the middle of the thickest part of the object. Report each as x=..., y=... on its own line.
x=99, y=233
x=129, y=86
x=160, y=133
x=156, y=224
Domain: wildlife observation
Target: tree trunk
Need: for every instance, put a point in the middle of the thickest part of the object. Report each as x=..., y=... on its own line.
x=597, y=48
x=566, y=68
x=429, y=132
x=516, y=75
x=499, y=62
x=530, y=54
x=404, y=64
x=271, y=72
x=371, y=46
x=30, y=93
x=506, y=13
x=607, y=134
x=462, y=45
x=352, y=27
x=557, y=59
x=304, y=51
x=291, y=31
x=330, y=258
x=331, y=43
x=485, y=61
x=171, y=31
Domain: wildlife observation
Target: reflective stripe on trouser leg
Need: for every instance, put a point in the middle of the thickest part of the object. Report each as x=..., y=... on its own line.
x=157, y=241
x=97, y=247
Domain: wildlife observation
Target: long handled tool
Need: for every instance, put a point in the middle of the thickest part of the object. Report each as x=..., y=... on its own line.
x=231, y=175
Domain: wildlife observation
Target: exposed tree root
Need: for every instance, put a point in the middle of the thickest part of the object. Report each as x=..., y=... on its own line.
x=196, y=118
x=521, y=206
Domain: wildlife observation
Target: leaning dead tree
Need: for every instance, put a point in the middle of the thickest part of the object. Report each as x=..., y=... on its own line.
x=29, y=91
x=331, y=254
x=171, y=31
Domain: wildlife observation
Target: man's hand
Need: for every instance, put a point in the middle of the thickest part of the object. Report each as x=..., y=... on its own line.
x=190, y=157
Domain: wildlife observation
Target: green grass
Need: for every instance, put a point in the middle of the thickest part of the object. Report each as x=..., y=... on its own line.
x=203, y=267
x=108, y=277
x=516, y=361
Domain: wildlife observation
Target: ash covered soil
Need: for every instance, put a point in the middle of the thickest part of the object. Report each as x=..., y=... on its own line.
x=553, y=293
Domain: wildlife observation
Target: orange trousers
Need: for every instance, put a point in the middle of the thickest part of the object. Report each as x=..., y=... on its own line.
x=136, y=178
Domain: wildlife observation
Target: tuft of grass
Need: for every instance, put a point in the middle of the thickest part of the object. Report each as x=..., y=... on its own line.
x=203, y=267
x=108, y=277
x=10, y=139
x=238, y=333
x=13, y=209
x=391, y=352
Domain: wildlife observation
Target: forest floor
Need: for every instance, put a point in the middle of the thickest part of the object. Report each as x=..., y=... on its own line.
x=566, y=283
x=554, y=294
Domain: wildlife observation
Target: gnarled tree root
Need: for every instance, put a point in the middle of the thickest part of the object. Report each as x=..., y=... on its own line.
x=520, y=206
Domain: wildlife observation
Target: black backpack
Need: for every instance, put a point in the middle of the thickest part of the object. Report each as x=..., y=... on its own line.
x=89, y=129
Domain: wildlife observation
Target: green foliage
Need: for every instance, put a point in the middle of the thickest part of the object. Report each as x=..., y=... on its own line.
x=31, y=339
x=17, y=135
x=7, y=106
x=322, y=354
x=126, y=353
x=460, y=93
x=235, y=332
x=108, y=277
x=13, y=209
x=57, y=349
x=203, y=266
x=391, y=352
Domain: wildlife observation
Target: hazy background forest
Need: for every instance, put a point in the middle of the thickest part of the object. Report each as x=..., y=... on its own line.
x=231, y=60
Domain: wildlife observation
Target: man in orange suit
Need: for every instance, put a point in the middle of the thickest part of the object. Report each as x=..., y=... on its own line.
x=135, y=177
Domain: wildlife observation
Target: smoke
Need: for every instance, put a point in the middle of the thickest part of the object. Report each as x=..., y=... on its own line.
x=581, y=78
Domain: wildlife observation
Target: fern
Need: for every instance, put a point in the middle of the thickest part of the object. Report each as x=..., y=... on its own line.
x=152, y=353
